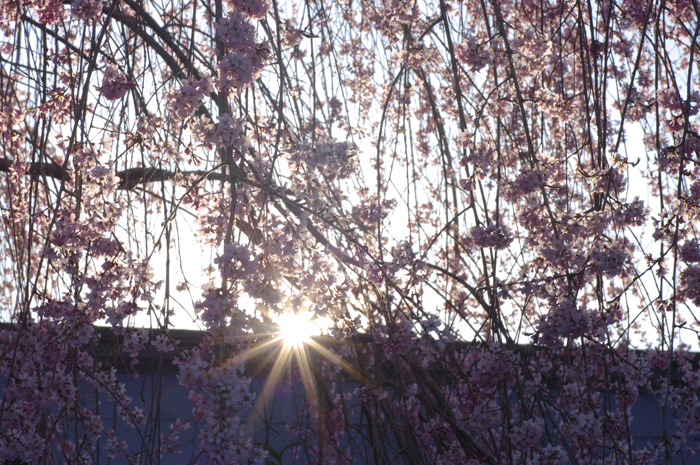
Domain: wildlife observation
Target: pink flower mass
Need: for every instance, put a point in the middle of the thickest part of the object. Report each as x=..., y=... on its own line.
x=489, y=209
x=115, y=85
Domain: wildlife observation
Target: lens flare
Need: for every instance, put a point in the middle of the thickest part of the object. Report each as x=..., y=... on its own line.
x=296, y=329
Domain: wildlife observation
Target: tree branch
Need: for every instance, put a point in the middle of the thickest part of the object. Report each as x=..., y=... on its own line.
x=128, y=178
x=133, y=177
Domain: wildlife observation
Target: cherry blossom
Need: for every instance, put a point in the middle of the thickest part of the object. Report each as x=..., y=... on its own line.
x=495, y=204
x=90, y=12
x=115, y=84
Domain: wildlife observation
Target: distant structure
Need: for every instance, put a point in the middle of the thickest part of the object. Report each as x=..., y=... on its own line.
x=153, y=376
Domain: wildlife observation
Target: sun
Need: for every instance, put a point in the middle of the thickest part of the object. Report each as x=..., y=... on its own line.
x=296, y=329
x=295, y=340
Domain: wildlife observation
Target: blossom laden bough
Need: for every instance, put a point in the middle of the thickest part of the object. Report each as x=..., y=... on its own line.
x=458, y=187
x=115, y=83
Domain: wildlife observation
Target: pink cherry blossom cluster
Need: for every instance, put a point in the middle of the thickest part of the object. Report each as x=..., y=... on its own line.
x=115, y=83
x=256, y=9
x=10, y=120
x=186, y=100
x=403, y=254
x=292, y=35
x=170, y=442
x=239, y=68
x=398, y=339
x=88, y=11
x=480, y=159
x=393, y=14
x=610, y=258
x=553, y=104
x=49, y=11
x=242, y=58
x=475, y=55
x=211, y=223
x=236, y=262
x=638, y=106
x=565, y=319
x=57, y=106
x=332, y=159
x=228, y=133
x=217, y=308
x=220, y=394
x=102, y=180
x=494, y=366
x=369, y=211
x=631, y=214
x=498, y=237
x=368, y=395
x=164, y=344
x=235, y=31
x=526, y=435
x=526, y=183
x=690, y=284
x=114, y=447
x=18, y=189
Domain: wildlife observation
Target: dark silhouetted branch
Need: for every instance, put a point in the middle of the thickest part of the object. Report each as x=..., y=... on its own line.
x=128, y=178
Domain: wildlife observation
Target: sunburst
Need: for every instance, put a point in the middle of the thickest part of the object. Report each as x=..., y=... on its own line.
x=294, y=339
x=296, y=329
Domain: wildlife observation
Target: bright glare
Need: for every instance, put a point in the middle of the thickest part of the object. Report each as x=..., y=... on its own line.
x=296, y=329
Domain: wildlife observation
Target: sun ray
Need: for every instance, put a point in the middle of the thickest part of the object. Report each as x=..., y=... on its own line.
x=338, y=361
x=295, y=332
x=295, y=338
